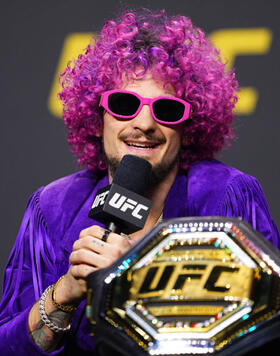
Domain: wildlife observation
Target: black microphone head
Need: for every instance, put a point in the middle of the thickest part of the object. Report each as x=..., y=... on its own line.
x=133, y=173
x=122, y=205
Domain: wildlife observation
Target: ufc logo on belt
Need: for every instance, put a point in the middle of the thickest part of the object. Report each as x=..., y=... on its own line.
x=195, y=279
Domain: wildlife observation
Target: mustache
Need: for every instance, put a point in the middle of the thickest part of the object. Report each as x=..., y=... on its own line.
x=144, y=136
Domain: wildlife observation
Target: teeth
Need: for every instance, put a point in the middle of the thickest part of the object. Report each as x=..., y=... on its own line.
x=140, y=145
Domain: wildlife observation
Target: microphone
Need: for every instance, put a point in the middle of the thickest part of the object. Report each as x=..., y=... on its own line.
x=121, y=206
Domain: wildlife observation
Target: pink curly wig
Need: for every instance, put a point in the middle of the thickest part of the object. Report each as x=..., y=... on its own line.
x=177, y=53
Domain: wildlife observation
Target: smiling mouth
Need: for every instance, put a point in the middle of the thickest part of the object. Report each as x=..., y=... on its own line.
x=143, y=145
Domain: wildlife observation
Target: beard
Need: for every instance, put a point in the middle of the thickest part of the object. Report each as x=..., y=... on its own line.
x=158, y=174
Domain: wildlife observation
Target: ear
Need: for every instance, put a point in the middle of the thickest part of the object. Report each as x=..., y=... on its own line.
x=99, y=129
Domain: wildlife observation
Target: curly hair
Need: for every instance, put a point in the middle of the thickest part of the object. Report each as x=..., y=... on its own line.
x=174, y=51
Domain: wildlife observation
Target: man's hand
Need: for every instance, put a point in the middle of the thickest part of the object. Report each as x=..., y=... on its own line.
x=89, y=254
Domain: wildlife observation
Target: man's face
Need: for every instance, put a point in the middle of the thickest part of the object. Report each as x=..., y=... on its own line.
x=142, y=136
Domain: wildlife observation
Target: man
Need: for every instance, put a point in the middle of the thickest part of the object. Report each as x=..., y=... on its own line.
x=153, y=87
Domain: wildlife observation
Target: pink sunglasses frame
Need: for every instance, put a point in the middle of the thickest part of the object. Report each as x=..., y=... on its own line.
x=144, y=101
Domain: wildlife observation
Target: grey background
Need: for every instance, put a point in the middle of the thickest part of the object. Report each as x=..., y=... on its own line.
x=33, y=141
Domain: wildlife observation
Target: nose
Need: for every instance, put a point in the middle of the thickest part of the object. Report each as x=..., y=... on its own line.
x=144, y=121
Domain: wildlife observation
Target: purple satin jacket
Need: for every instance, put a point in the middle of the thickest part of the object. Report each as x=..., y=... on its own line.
x=56, y=214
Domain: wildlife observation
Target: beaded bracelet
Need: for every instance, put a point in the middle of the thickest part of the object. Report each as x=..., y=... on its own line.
x=66, y=308
x=44, y=317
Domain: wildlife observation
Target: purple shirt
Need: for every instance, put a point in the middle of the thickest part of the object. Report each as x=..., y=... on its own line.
x=56, y=214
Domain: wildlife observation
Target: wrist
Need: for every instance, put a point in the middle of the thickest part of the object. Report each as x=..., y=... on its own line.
x=53, y=322
x=60, y=298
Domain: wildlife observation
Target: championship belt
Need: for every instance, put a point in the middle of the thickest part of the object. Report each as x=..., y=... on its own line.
x=199, y=285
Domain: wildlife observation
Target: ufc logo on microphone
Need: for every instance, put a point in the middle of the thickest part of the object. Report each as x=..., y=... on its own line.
x=123, y=203
x=100, y=199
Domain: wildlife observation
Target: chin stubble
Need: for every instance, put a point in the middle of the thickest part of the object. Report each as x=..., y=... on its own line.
x=159, y=171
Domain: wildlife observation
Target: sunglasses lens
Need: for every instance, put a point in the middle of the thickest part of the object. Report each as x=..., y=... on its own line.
x=123, y=104
x=168, y=110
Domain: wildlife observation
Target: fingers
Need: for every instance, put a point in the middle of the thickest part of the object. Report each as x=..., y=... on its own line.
x=90, y=251
x=94, y=230
x=89, y=242
x=89, y=254
x=87, y=257
x=81, y=271
x=95, y=245
x=98, y=232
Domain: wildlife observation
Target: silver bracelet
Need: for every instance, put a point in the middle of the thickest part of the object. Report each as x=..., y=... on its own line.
x=44, y=317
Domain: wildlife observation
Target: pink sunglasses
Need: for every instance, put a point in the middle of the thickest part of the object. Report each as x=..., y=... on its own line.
x=127, y=104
